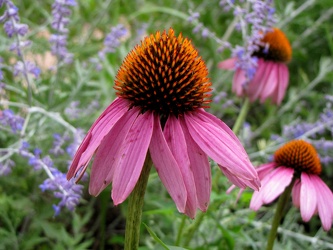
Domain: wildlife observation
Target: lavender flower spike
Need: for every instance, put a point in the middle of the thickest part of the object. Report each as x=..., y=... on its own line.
x=61, y=14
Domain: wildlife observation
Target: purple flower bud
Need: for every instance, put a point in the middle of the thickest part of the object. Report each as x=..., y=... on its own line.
x=6, y=167
x=8, y=118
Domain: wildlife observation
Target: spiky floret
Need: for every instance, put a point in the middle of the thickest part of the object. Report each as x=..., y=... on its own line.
x=300, y=155
x=275, y=46
x=164, y=74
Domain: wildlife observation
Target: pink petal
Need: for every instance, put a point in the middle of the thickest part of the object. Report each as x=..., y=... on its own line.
x=263, y=74
x=256, y=201
x=296, y=194
x=167, y=167
x=238, y=82
x=271, y=84
x=175, y=139
x=275, y=183
x=265, y=169
x=95, y=134
x=209, y=118
x=232, y=187
x=201, y=169
x=308, y=197
x=220, y=146
x=283, y=75
x=228, y=64
x=106, y=155
x=324, y=202
x=132, y=156
x=239, y=182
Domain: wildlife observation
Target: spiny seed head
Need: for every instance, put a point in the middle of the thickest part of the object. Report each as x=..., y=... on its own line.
x=300, y=155
x=164, y=74
x=275, y=46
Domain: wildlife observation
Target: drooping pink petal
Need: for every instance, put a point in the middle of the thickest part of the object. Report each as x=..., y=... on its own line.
x=256, y=200
x=221, y=147
x=95, y=134
x=232, y=187
x=201, y=169
x=283, y=75
x=275, y=183
x=174, y=136
x=271, y=84
x=239, y=182
x=228, y=64
x=324, y=202
x=131, y=157
x=256, y=84
x=296, y=193
x=106, y=155
x=238, y=82
x=308, y=197
x=209, y=118
x=265, y=70
x=167, y=167
x=264, y=169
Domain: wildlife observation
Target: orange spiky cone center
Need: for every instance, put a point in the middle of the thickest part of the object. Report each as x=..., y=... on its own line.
x=164, y=74
x=299, y=155
x=275, y=46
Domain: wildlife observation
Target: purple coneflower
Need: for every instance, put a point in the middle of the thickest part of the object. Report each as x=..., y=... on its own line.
x=271, y=76
x=162, y=88
x=296, y=162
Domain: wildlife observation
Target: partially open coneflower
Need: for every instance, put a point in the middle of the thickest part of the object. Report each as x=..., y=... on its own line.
x=296, y=162
x=271, y=77
x=162, y=88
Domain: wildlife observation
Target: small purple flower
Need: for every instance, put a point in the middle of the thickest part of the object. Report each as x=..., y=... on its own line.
x=194, y=17
x=259, y=19
x=113, y=40
x=34, y=159
x=15, y=29
x=8, y=118
x=6, y=167
x=58, y=143
x=61, y=17
x=78, y=137
x=21, y=68
x=68, y=192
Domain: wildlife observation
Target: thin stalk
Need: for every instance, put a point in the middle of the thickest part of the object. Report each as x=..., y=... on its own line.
x=242, y=115
x=135, y=205
x=180, y=230
x=282, y=202
x=191, y=230
x=104, y=199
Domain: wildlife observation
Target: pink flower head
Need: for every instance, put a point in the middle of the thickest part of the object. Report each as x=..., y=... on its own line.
x=162, y=88
x=271, y=76
x=296, y=160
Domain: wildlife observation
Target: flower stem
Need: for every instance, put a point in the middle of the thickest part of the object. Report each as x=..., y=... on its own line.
x=180, y=230
x=242, y=115
x=278, y=215
x=136, y=199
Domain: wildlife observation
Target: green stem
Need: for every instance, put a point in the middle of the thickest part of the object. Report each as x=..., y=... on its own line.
x=180, y=230
x=135, y=205
x=242, y=115
x=282, y=202
x=104, y=200
x=191, y=229
x=198, y=220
